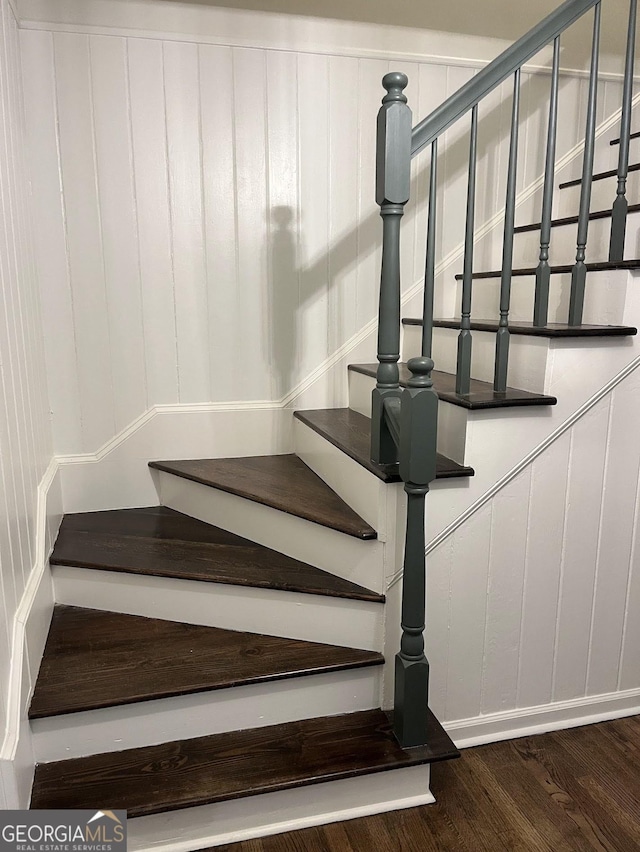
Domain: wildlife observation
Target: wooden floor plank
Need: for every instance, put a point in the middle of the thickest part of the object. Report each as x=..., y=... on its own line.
x=572, y=791
x=94, y=659
x=159, y=542
x=283, y=482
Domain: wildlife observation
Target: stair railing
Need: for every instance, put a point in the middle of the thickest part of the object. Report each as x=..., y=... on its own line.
x=404, y=421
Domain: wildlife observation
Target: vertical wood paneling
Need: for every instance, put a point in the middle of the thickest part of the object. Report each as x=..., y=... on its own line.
x=25, y=436
x=252, y=152
x=439, y=576
x=370, y=93
x=504, y=595
x=543, y=559
x=313, y=239
x=580, y=549
x=469, y=597
x=616, y=536
x=220, y=219
x=118, y=217
x=343, y=195
x=151, y=175
x=84, y=236
x=283, y=305
x=182, y=97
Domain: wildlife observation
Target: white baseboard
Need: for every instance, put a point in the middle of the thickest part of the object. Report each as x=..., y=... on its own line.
x=527, y=721
x=30, y=628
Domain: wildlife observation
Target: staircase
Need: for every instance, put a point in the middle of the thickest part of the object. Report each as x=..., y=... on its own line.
x=221, y=665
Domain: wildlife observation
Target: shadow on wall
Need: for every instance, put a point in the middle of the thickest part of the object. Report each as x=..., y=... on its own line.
x=291, y=287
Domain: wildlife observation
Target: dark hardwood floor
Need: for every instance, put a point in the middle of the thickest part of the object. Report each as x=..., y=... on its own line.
x=570, y=791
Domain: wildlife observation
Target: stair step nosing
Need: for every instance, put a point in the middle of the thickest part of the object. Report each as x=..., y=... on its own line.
x=365, y=595
x=526, y=401
x=366, y=533
x=599, y=176
x=572, y=220
x=376, y=660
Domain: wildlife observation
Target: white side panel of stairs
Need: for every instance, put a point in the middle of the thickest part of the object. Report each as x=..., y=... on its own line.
x=182, y=717
x=287, y=810
x=315, y=618
x=359, y=488
x=344, y=555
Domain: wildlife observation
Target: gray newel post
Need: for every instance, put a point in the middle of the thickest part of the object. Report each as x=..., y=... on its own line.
x=393, y=173
x=418, y=427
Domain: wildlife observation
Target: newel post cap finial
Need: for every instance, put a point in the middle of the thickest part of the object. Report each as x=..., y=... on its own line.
x=420, y=368
x=394, y=82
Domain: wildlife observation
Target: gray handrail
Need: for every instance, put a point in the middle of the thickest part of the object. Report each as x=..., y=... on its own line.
x=496, y=72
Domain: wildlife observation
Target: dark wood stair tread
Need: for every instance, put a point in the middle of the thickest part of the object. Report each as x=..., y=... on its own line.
x=350, y=432
x=599, y=176
x=94, y=659
x=481, y=396
x=572, y=220
x=283, y=482
x=600, y=266
x=552, y=329
x=232, y=765
x=631, y=136
x=161, y=542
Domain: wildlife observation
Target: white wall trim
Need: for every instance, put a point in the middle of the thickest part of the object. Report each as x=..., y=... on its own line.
x=153, y=412
x=327, y=37
x=19, y=670
x=527, y=721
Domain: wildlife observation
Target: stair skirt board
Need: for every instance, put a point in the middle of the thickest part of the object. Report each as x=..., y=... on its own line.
x=145, y=723
x=338, y=621
x=353, y=559
x=274, y=813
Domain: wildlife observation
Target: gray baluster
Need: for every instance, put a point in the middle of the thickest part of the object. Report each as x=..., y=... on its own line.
x=502, y=337
x=393, y=167
x=579, y=271
x=541, y=303
x=418, y=428
x=430, y=262
x=463, y=369
x=620, y=205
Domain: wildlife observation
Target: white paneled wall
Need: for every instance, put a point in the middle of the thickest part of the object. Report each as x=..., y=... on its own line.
x=208, y=231
x=534, y=600
x=25, y=434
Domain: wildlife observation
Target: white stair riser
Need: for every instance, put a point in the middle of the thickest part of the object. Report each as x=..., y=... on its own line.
x=603, y=305
x=287, y=810
x=452, y=419
x=358, y=487
x=527, y=355
x=315, y=618
x=563, y=243
x=603, y=193
x=340, y=554
x=182, y=717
